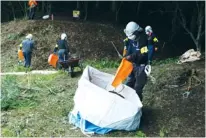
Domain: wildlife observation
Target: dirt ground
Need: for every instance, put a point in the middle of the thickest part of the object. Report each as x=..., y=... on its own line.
x=166, y=106
x=167, y=111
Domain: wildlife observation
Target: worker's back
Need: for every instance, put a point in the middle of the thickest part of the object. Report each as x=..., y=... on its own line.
x=28, y=45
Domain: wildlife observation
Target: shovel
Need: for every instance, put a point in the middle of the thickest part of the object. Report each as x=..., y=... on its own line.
x=120, y=56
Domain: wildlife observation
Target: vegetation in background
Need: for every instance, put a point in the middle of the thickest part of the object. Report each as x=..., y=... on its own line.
x=165, y=61
x=102, y=63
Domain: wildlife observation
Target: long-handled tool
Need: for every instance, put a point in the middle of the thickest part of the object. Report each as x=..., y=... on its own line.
x=120, y=56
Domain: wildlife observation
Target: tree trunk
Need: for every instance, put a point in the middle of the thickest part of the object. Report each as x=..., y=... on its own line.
x=86, y=10
x=25, y=9
x=48, y=7
x=22, y=9
x=97, y=4
x=200, y=31
x=42, y=7
x=13, y=11
x=193, y=22
x=78, y=5
x=138, y=7
x=200, y=19
x=117, y=12
x=113, y=8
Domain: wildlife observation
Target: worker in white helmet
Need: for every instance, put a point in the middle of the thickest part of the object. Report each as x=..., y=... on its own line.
x=27, y=47
x=63, y=48
x=152, y=42
x=135, y=50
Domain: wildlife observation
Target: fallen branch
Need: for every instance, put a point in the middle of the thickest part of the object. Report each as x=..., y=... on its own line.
x=192, y=77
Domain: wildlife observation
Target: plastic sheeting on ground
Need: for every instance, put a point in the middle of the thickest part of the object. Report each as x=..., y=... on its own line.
x=189, y=56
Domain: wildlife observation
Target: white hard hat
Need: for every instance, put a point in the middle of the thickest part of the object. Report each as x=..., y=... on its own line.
x=63, y=36
x=148, y=29
x=131, y=27
x=29, y=36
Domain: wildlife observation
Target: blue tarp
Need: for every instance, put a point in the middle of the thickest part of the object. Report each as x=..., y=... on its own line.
x=86, y=125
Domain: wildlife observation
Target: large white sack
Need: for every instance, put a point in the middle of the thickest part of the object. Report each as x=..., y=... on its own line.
x=102, y=108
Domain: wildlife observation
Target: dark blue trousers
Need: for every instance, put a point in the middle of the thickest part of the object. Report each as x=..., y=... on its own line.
x=27, y=59
x=150, y=53
x=31, y=13
x=137, y=80
x=63, y=55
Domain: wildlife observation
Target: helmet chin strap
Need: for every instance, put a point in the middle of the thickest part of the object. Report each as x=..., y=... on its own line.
x=137, y=39
x=133, y=37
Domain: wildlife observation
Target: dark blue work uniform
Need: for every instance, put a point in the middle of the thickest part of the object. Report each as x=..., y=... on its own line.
x=27, y=48
x=152, y=44
x=138, y=78
x=63, y=50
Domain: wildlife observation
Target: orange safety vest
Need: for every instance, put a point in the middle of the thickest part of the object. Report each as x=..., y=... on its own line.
x=32, y=2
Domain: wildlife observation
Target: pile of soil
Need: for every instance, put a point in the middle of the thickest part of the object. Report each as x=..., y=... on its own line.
x=88, y=40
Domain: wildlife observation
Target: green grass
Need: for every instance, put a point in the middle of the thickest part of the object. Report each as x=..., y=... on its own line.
x=13, y=36
x=20, y=68
x=13, y=97
x=38, y=105
x=103, y=63
x=107, y=63
x=140, y=134
x=163, y=132
x=13, y=92
x=165, y=61
x=44, y=102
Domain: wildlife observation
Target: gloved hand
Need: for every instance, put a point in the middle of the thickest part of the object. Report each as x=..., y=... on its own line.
x=144, y=50
x=147, y=70
x=156, y=48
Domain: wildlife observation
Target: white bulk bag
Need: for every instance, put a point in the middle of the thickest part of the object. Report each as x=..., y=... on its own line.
x=99, y=111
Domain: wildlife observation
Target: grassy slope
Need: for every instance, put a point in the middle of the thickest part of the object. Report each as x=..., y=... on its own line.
x=165, y=111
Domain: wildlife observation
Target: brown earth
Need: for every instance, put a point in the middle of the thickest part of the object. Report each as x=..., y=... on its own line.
x=89, y=40
x=167, y=109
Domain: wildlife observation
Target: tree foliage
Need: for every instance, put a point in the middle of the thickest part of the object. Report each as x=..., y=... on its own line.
x=179, y=18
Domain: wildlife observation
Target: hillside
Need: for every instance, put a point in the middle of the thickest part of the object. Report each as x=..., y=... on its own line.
x=38, y=105
x=89, y=40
